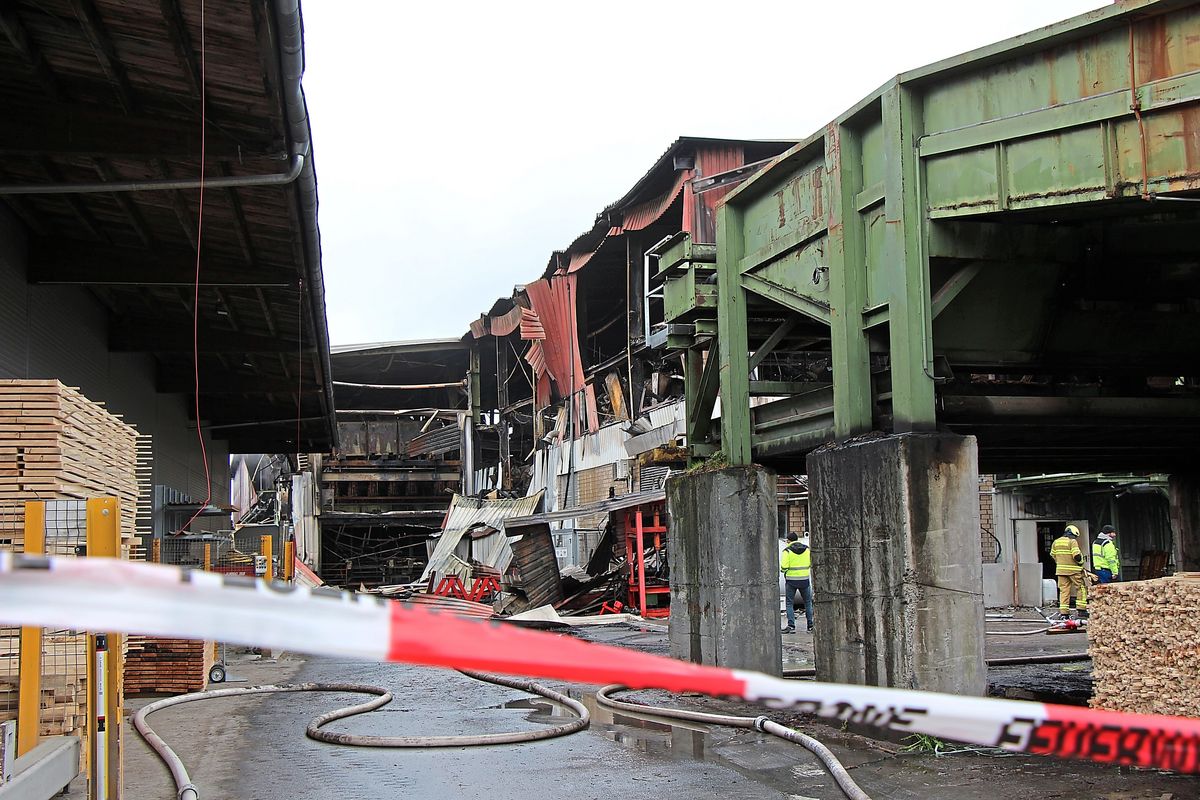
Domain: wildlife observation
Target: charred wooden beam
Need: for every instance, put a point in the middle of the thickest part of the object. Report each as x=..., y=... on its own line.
x=31, y=54
x=63, y=261
x=106, y=53
x=174, y=335
x=86, y=130
x=128, y=207
x=180, y=381
x=181, y=40
x=78, y=207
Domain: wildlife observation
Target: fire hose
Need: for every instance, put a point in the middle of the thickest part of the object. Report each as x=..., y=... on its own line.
x=836, y=770
x=186, y=790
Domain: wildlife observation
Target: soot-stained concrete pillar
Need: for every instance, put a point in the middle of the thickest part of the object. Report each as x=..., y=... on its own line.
x=897, y=574
x=724, y=568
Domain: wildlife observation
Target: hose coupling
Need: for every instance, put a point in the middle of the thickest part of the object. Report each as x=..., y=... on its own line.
x=760, y=724
x=189, y=792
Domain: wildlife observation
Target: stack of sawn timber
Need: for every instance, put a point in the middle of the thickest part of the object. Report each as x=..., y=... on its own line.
x=55, y=444
x=1144, y=639
x=63, y=681
x=166, y=665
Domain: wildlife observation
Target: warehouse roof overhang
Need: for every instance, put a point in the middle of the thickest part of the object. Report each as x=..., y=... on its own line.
x=99, y=94
x=419, y=374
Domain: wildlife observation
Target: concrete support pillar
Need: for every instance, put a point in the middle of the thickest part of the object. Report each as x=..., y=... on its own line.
x=897, y=575
x=1183, y=491
x=723, y=546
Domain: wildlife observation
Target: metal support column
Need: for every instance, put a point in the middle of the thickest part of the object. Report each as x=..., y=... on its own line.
x=910, y=322
x=852, y=397
x=732, y=333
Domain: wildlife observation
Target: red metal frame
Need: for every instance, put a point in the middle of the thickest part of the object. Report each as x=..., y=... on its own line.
x=452, y=586
x=638, y=522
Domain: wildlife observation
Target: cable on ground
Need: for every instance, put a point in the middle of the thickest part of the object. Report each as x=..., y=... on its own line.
x=186, y=790
x=836, y=770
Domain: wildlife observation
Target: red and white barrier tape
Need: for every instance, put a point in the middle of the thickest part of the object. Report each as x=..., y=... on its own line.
x=110, y=595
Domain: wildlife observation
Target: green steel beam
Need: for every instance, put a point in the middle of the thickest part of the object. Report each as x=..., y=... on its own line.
x=910, y=321
x=783, y=388
x=953, y=287
x=735, y=346
x=773, y=341
x=786, y=298
x=847, y=285
x=699, y=413
x=1154, y=95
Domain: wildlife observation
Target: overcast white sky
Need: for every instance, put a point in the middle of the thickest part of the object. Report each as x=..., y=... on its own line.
x=458, y=143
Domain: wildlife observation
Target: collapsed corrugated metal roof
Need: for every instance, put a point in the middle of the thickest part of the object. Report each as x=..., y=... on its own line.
x=466, y=514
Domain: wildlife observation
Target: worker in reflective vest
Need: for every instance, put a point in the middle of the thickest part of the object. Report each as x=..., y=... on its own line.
x=1105, y=559
x=796, y=565
x=1068, y=568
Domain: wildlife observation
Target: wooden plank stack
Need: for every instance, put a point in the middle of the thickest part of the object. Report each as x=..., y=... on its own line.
x=55, y=444
x=166, y=665
x=1144, y=640
x=63, y=682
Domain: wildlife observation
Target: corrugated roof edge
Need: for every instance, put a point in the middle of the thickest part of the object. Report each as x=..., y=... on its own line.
x=289, y=39
x=374, y=347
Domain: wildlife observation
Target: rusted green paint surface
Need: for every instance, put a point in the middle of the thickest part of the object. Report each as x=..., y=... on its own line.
x=1097, y=110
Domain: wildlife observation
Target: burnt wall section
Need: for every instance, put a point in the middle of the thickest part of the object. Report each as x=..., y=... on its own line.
x=896, y=572
x=1184, y=496
x=724, y=568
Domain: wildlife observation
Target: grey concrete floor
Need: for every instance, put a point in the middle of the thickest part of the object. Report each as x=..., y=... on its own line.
x=256, y=748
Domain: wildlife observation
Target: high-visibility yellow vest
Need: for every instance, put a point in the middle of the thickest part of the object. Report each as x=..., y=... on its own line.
x=1068, y=558
x=1104, y=556
x=796, y=566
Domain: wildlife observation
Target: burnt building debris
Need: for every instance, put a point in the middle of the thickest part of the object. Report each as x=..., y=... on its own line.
x=403, y=418
x=587, y=403
x=563, y=389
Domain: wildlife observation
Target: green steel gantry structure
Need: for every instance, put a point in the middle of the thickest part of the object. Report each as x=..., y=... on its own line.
x=1002, y=244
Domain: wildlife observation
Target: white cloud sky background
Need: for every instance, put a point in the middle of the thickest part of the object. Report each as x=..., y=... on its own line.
x=458, y=144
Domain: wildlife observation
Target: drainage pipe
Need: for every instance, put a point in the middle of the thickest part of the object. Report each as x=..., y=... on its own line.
x=761, y=724
x=186, y=790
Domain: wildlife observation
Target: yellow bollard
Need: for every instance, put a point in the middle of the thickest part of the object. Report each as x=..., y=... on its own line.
x=207, y=557
x=266, y=551
x=30, y=688
x=289, y=561
x=104, y=652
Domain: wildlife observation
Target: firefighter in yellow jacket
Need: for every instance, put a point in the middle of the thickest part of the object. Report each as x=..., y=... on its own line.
x=1068, y=568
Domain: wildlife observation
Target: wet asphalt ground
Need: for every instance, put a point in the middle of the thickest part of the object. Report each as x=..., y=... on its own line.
x=256, y=747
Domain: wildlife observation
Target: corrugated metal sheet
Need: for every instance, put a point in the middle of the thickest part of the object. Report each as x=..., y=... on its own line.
x=553, y=301
x=466, y=513
x=531, y=325
x=700, y=210
x=435, y=442
x=537, y=565
x=645, y=214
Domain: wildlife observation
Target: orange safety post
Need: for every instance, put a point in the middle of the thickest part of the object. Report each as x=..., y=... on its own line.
x=30, y=683
x=266, y=551
x=105, y=665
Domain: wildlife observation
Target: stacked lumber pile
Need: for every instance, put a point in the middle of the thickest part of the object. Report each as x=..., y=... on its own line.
x=166, y=665
x=1144, y=640
x=63, y=681
x=55, y=444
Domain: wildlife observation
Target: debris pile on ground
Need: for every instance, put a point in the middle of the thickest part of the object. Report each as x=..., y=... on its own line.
x=1145, y=642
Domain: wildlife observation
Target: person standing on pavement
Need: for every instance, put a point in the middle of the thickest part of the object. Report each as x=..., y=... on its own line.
x=1105, y=559
x=796, y=565
x=1068, y=568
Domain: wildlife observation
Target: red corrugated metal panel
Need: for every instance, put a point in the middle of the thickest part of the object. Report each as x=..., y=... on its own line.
x=644, y=214
x=553, y=300
x=505, y=324
x=700, y=211
x=531, y=325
